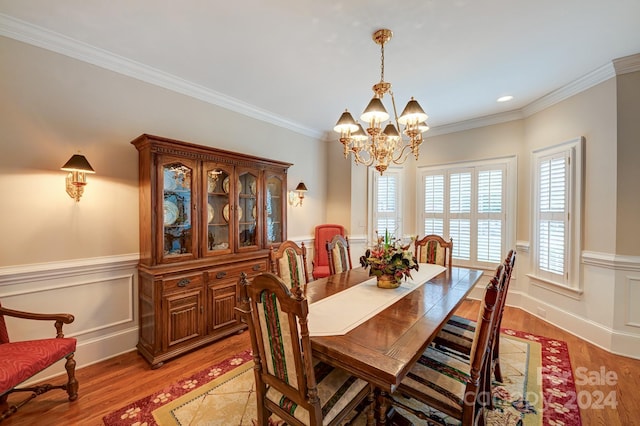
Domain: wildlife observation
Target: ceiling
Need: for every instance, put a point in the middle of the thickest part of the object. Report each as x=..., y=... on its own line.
x=302, y=62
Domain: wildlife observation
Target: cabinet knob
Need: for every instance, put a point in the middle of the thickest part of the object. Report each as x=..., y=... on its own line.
x=184, y=282
x=256, y=267
x=221, y=275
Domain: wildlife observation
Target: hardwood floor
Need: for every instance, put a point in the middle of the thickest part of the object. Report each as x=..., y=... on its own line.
x=116, y=382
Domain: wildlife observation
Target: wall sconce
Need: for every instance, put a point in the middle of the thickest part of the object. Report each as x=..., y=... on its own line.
x=78, y=167
x=296, y=197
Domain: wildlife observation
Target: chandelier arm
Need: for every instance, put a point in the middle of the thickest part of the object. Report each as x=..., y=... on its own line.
x=402, y=155
x=360, y=160
x=395, y=112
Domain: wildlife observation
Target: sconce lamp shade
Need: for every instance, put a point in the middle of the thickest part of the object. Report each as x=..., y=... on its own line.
x=78, y=163
x=301, y=187
x=78, y=167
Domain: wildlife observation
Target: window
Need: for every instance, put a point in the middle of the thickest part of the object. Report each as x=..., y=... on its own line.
x=386, y=202
x=469, y=202
x=556, y=216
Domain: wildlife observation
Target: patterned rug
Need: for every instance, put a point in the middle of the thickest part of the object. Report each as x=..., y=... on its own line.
x=538, y=390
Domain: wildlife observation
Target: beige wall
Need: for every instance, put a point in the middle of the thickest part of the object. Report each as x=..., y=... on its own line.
x=53, y=106
x=591, y=114
x=628, y=169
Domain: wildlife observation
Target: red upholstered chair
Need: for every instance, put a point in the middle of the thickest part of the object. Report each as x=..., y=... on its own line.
x=323, y=234
x=20, y=361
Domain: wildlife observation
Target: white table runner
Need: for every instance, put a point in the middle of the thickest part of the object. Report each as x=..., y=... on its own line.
x=340, y=313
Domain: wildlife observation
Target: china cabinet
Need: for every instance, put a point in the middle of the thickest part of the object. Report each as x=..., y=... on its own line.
x=206, y=216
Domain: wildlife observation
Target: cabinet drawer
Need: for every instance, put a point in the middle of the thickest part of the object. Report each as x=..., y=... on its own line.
x=182, y=283
x=233, y=271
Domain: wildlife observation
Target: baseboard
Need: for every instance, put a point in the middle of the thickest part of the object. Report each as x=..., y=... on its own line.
x=91, y=352
x=603, y=337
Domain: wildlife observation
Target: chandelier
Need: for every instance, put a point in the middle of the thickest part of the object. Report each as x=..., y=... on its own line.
x=377, y=146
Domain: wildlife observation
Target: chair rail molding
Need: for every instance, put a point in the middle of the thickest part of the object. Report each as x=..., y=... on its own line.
x=611, y=261
x=65, y=268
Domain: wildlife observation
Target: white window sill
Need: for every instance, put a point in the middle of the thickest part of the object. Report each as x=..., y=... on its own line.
x=555, y=287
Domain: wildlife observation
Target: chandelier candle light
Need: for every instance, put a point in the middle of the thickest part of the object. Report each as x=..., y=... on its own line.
x=382, y=147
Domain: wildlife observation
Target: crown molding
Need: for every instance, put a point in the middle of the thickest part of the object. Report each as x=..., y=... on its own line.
x=474, y=123
x=605, y=72
x=28, y=33
x=627, y=64
x=56, y=42
x=583, y=83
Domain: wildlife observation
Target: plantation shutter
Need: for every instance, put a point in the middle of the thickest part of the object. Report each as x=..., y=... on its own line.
x=460, y=214
x=490, y=214
x=434, y=204
x=553, y=218
x=386, y=203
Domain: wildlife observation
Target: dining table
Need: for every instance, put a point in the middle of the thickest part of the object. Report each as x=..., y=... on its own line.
x=383, y=347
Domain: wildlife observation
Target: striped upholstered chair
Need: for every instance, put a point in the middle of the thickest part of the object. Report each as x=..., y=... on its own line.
x=457, y=334
x=434, y=249
x=21, y=360
x=339, y=254
x=455, y=387
x=289, y=262
x=290, y=383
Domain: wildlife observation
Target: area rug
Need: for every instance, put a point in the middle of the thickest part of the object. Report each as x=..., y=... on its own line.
x=538, y=389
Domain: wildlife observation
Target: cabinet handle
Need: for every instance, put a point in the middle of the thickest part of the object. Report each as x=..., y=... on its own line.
x=256, y=267
x=221, y=275
x=184, y=282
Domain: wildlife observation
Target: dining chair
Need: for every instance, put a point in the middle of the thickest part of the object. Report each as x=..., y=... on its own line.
x=289, y=262
x=322, y=234
x=339, y=254
x=21, y=360
x=290, y=382
x=458, y=332
x=445, y=383
x=434, y=249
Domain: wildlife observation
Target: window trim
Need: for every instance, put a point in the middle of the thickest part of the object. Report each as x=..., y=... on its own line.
x=510, y=165
x=571, y=285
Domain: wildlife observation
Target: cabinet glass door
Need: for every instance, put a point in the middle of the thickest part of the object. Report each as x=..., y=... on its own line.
x=177, y=221
x=218, y=186
x=274, y=209
x=247, y=214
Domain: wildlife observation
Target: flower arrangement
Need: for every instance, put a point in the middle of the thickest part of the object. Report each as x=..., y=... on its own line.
x=388, y=258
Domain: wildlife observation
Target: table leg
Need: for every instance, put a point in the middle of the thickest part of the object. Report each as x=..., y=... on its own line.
x=371, y=415
x=383, y=405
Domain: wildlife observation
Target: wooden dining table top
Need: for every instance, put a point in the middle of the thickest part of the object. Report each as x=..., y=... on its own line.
x=383, y=349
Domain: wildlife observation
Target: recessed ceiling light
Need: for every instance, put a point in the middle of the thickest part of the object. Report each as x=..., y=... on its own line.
x=504, y=98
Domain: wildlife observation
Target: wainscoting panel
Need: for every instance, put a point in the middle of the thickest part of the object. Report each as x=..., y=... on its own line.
x=101, y=294
x=632, y=308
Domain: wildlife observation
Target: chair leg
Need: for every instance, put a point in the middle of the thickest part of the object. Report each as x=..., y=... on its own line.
x=495, y=358
x=72, y=384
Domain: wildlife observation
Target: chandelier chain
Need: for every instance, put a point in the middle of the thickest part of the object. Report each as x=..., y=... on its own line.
x=381, y=62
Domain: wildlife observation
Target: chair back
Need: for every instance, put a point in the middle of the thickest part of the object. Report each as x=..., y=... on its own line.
x=475, y=396
x=339, y=254
x=281, y=345
x=434, y=249
x=289, y=262
x=323, y=233
x=4, y=334
x=508, y=264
